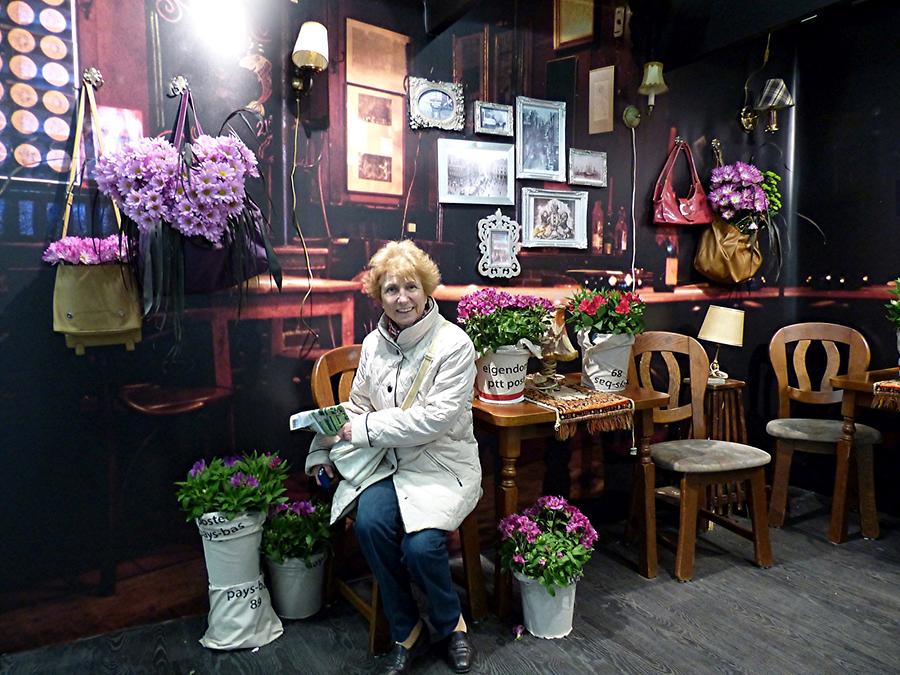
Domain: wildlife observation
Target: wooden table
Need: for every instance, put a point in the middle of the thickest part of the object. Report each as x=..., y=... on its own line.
x=262, y=301
x=859, y=390
x=517, y=422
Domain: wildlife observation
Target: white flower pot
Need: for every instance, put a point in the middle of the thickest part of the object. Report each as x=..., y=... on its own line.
x=546, y=616
x=240, y=610
x=604, y=360
x=500, y=375
x=231, y=546
x=296, y=588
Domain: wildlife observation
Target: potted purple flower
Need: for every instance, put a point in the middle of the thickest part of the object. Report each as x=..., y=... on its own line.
x=228, y=498
x=295, y=541
x=506, y=330
x=546, y=548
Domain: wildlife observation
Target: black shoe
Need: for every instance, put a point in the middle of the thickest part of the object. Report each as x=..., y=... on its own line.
x=460, y=651
x=400, y=659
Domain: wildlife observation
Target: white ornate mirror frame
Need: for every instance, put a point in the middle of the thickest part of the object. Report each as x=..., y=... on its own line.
x=499, y=244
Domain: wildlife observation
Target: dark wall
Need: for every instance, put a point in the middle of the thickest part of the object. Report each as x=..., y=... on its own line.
x=837, y=150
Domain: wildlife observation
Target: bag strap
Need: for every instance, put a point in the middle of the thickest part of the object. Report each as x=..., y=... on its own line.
x=426, y=363
x=89, y=78
x=665, y=176
x=180, y=87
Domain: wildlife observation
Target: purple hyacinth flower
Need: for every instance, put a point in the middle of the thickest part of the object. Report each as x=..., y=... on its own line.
x=198, y=468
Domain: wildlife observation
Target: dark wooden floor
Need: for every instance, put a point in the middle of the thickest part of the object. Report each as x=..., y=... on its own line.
x=820, y=609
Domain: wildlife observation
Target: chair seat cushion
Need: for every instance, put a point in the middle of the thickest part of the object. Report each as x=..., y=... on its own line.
x=703, y=456
x=821, y=431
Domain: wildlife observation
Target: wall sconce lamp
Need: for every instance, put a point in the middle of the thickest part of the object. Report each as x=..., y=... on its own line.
x=653, y=83
x=310, y=55
x=724, y=326
x=775, y=97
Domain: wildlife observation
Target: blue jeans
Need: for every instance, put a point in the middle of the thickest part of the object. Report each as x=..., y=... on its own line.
x=395, y=557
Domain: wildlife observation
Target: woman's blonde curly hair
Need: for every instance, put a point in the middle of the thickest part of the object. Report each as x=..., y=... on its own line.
x=407, y=261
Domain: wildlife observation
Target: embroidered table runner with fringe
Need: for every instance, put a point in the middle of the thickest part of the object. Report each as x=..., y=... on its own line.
x=603, y=411
x=887, y=395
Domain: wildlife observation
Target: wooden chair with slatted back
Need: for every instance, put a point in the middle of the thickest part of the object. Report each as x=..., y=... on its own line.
x=332, y=377
x=793, y=434
x=698, y=461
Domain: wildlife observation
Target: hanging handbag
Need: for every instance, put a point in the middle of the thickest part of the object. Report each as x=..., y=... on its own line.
x=725, y=255
x=669, y=208
x=173, y=265
x=94, y=305
x=356, y=465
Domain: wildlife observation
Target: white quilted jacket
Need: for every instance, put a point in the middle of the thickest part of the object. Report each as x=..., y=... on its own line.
x=432, y=454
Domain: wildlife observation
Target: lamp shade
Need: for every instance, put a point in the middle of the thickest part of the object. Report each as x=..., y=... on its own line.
x=775, y=96
x=653, y=82
x=723, y=325
x=311, y=47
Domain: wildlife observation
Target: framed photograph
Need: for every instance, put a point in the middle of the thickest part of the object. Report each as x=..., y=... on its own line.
x=374, y=141
x=573, y=22
x=376, y=57
x=499, y=243
x=601, y=85
x=436, y=104
x=493, y=118
x=540, y=139
x=471, y=172
x=554, y=218
x=587, y=167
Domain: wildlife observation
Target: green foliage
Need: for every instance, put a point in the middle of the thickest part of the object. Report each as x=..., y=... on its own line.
x=773, y=194
x=607, y=311
x=550, y=542
x=297, y=530
x=233, y=485
x=892, y=309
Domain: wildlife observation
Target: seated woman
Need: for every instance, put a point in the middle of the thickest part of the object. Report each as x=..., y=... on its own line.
x=429, y=479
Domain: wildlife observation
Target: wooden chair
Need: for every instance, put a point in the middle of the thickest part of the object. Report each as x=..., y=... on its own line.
x=332, y=377
x=819, y=435
x=700, y=462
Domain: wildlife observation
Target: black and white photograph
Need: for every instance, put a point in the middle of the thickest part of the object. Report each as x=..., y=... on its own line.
x=436, y=104
x=493, y=118
x=587, y=167
x=471, y=172
x=556, y=218
x=540, y=139
x=499, y=243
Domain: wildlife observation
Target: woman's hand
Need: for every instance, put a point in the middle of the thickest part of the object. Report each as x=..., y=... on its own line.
x=323, y=467
x=346, y=432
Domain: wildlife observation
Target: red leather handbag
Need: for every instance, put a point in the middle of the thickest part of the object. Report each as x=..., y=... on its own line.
x=669, y=208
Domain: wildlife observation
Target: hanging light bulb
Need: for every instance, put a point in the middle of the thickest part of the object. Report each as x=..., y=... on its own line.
x=653, y=83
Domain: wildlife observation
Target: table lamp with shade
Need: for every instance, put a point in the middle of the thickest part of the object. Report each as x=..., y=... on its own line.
x=724, y=326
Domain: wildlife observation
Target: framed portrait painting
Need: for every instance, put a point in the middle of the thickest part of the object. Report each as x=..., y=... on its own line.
x=540, y=139
x=556, y=218
x=374, y=141
x=472, y=172
x=587, y=167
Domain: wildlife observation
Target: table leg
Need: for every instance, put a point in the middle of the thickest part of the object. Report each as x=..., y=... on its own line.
x=221, y=352
x=646, y=487
x=347, y=336
x=506, y=501
x=837, y=531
